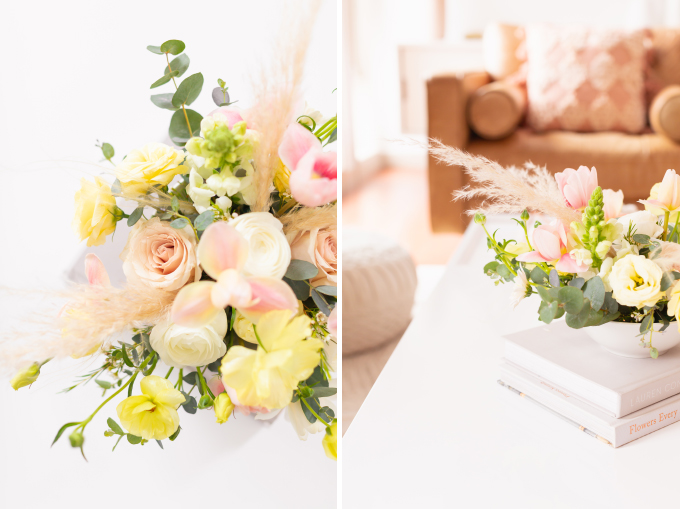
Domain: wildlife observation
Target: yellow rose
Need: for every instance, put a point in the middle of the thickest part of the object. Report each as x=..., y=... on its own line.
x=636, y=281
x=25, y=377
x=223, y=407
x=266, y=377
x=330, y=441
x=95, y=206
x=152, y=416
x=154, y=163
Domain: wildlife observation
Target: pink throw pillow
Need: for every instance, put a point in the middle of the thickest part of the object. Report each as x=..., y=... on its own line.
x=582, y=79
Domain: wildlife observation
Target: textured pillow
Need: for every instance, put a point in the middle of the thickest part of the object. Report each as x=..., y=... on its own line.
x=664, y=113
x=495, y=110
x=582, y=79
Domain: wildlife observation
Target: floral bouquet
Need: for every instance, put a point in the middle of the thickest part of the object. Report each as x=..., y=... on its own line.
x=590, y=263
x=231, y=267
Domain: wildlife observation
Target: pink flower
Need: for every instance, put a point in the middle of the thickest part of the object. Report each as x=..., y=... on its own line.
x=333, y=321
x=613, y=202
x=550, y=244
x=95, y=271
x=320, y=248
x=233, y=115
x=577, y=185
x=667, y=194
x=313, y=181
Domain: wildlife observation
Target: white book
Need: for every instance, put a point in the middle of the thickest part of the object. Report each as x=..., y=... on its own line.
x=615, y=432
x=615, y=385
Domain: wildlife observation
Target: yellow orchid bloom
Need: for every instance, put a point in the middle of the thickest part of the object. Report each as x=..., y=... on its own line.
x=152, y=416
x=267, y=377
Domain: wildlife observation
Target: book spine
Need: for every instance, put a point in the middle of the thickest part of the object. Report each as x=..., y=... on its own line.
x=647, y=423
x=649, y=394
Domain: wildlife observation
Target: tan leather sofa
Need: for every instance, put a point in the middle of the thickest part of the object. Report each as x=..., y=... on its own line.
x=632, y=163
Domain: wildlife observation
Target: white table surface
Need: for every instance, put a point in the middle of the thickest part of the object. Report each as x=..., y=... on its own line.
x=437, y=430
x=73, y=72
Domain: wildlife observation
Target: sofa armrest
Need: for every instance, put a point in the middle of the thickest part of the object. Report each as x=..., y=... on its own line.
x=447, y=98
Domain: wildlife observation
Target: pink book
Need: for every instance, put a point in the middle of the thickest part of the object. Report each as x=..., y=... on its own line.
x=615, y=385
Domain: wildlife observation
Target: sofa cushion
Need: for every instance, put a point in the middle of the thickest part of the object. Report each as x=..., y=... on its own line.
x=586, y=80
x=632, y=163
x=664, y=113
x=495, y=110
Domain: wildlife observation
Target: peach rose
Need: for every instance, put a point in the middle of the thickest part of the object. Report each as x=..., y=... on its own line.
x=319, y=247
x=160, y=256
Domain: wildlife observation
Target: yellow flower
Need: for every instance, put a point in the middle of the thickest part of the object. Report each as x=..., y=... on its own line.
x=330, y=441
x=266, y=377
x=25, y=377
x=223, y=407
x=153, y=415
x=281, y=178
x=244, y=328
x=154, y=163
x=673, y=308
x=95, y=206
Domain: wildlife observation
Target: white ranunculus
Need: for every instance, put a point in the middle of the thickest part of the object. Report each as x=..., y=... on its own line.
x=636, y=281
x=269, y=252
x=188, y=346
x=645, y=223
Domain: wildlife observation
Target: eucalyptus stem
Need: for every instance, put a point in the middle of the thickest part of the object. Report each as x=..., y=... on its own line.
x=314, y=413
x=186, y=117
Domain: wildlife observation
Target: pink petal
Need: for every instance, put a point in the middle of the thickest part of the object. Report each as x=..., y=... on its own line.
x=333, y=321
x=546, y=243
x=222, y=248
x=568, y=264
x=269, y=294
x=233, y=116
x=654, y=203
x=193, y=305
x=296, y=142
x=532, y=257
x=314, y=183
x=231, y=289
x=95, y=271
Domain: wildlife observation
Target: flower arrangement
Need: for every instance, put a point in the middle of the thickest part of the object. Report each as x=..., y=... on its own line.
x=589, y=263
x=231, y=267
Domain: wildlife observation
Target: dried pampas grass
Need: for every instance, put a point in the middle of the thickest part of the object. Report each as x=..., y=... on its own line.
x=506, y=190
x=277, y=90
x=93, y=316
x=667, y=256
x=303, y=219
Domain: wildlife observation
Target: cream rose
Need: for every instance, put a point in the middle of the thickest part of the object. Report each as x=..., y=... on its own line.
x=186, y=346
x=154, y=163
x=319, y=247
x=269, y=252
x=636, y=281
x=160, y=256
x=94, y=218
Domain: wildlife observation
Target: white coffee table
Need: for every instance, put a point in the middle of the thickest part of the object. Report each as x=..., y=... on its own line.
x=437, y=430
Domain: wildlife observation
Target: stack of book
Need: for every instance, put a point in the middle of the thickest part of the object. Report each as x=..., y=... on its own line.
x=613, y=398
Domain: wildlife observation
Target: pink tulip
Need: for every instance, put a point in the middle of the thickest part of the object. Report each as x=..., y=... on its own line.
x=233, y=115
x=668, y=195
x=223, y=252
x=613, y=203
x=314, y=173
x=577, y=185
x=550, y=244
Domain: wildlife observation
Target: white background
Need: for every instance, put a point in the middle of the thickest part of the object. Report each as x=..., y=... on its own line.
x=77, y=71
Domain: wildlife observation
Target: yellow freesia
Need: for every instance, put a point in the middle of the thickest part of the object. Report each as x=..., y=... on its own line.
x=330, y=441
x=223, y=407
x=152, y=416
x=266, y=377
x=154, y=163
x=95, y=206
x=25, y=377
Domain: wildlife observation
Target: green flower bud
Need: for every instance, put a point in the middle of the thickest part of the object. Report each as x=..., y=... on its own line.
x=76, y=438
x=305, y=392
x=525, y=215
x=480, y=218
x=25, y=377
x=205, y=401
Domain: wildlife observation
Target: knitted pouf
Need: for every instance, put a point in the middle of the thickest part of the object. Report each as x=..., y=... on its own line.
x=378, y=288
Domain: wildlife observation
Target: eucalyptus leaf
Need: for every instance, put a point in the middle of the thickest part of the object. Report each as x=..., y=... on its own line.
x=179, y=130
x=179, y=223
x=578, y=320
x=190, y=378
x=300, y=288
x=107, y=150
x=173, y=46
x=300, y=270
x=666, y=281
x=133, y=439
x=164, y=79
x=204, y=220
x=505, y=273
x=571, y=298
x=594, y=317
x=135, y=216
x=188, y=90
x=324, y=392
x=327, y=290
x=547, y=311
x=179, y=64
x=647, y=324
x=490, y=268
x=319, y=301
x=554, y=278
x=175, y=434
x=155, y=49
x=174, y=204
x=308, y=414
x=641, y=238
x=333, y=137
x=164, y=101
x=190, y=406
x=610, y=317
x=539, y=276
x=220, y=96
x=594, y=291
x=577, y=282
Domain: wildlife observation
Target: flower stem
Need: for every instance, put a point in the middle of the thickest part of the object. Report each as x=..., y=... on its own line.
x=666, y=216
x=314, y=413
x=168, y=374
x=258, y=338
x=675, y=227
x=500, y=251
x=184, y=110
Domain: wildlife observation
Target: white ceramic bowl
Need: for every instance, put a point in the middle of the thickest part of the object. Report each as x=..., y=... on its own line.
x=623, y=338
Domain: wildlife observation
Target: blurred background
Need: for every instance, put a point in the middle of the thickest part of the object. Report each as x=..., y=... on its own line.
x=457, y=70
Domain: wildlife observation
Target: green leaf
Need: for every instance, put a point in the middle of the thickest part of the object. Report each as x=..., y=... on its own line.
x=155, y=49
x=103, y=384
x=577, y=321
x=115, y=427
x=610, y=303
x=179, y=223
x=300, y=270
x=116, y=187
x=333, y=137
x=666, y=281
x=641, y=239
x=164, y=101
x=547, y=294
x=324, y=392
x=188, y=90
x=62, y=429
x=190, y=406
x=174, y=204
x=547, y=311
x=318, y=300
x=554, y=278
x=577, y=282
x=204, y=220
x=164, y=79
x=190, y=378
x=505, y=273
x=175, y=434
x=179, y=131
x=653, y=353
x=126, y=359
x=179, y=64
x=133, y=439
x=300, y=288
x=594, y=292
x=308, y=414
x=490, y=268
x=327, y=290
x=107, y=150
x=571, y=298
x=594, y=318
x=610, y=317
x=539, y=276
x=160, y=444
x=647, y=324
x=173, y=46
x=135, y=216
